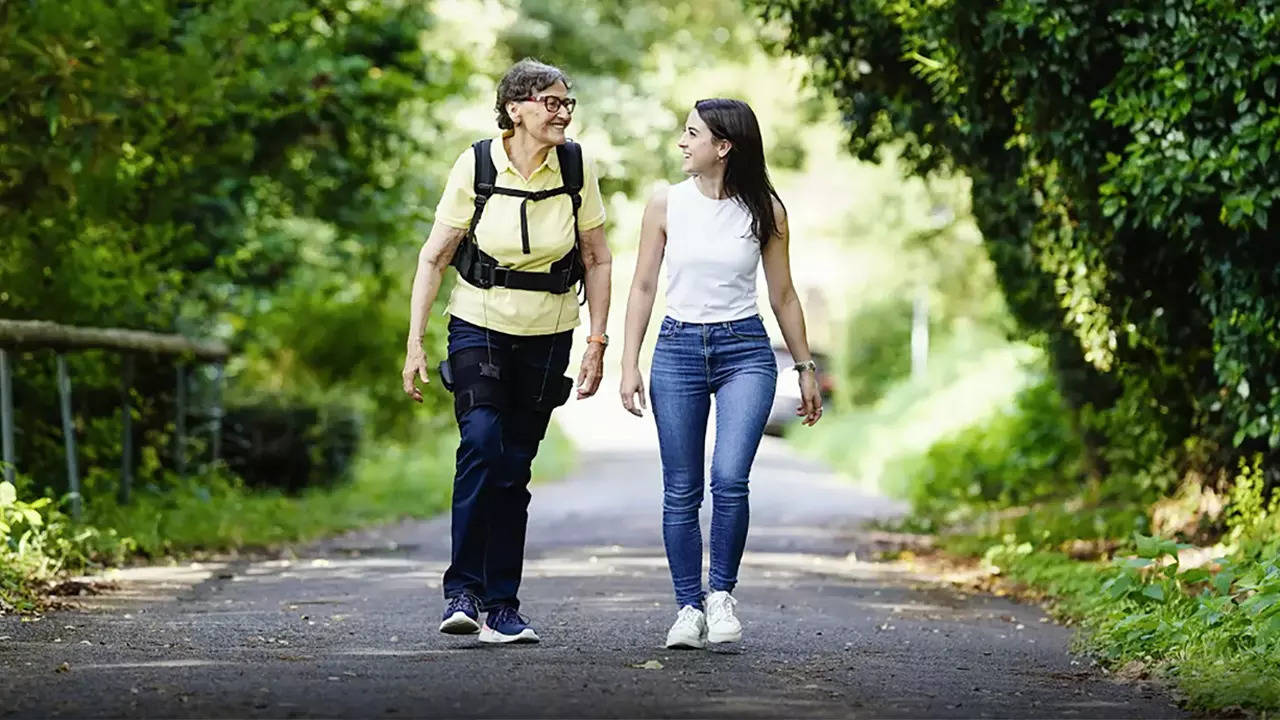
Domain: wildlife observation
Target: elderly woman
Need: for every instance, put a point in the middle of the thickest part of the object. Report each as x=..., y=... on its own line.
x=522, y=221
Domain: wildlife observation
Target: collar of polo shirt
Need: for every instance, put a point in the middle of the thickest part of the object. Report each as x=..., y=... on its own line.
x=503, y=163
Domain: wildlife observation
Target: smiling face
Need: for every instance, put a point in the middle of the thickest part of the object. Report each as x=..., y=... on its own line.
x=532, y=116
x=702, y=151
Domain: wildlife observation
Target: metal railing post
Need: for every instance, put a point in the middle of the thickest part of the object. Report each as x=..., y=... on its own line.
x=6, y=416
x=180, y=422
x=69, y=436
x=217, y=412
x=126, y=428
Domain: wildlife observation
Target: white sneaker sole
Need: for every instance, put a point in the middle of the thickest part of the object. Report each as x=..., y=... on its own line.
x=459, y=624
x=732, y=636
x=489, y=635
x=685, y=643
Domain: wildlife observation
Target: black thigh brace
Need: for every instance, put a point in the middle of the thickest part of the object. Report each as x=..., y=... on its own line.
x=474, y=380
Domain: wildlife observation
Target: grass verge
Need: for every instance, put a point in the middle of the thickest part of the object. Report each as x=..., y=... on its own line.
x=1211, y=634
x=214, y=512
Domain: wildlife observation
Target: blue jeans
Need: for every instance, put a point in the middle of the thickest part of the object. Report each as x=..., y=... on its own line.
x=499, y=437
x=735, y=362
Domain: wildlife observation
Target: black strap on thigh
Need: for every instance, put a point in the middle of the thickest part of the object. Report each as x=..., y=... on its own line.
x=477, y=380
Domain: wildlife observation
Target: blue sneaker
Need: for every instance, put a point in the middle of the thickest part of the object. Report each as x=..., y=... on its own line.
x=505, y=625
x=461, y=615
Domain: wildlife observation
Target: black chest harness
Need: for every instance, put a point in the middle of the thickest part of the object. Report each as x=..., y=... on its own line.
x=481, y=269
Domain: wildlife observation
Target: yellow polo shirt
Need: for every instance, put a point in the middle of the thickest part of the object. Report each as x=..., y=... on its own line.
x=518, y=312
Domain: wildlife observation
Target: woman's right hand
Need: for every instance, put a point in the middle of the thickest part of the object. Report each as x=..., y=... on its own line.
x=633, y=386
x=415, y=364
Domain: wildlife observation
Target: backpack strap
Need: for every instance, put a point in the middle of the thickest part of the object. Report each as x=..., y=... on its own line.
x=570, y=156
x=480, y=269
x=486, y=176
x=571, y=176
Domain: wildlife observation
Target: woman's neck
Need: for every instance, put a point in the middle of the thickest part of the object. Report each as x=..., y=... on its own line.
x=711, y=183
x=526, y=153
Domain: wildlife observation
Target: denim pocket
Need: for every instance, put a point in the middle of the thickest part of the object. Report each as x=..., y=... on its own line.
x=667, y=328
x=751, y=328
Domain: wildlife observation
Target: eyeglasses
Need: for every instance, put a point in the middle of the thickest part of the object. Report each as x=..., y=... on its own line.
x=553, y=103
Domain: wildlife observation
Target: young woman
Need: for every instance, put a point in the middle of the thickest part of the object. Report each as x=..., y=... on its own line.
x=713, y=230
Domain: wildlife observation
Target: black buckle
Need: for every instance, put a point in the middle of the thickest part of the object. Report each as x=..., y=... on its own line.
x=499, y=276
x=482, y=275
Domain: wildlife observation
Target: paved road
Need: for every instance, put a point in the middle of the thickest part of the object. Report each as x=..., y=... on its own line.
x=347, y=627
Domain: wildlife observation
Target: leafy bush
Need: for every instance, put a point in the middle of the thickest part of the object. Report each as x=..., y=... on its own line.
x=876, y=351
x=289, y=448
x=218, y=169
x=1024, y=455
x=1215, y=630
x=1123, y=184
x=37, y=541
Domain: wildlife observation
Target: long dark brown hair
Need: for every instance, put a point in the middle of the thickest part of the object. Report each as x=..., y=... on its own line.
x=746, y=177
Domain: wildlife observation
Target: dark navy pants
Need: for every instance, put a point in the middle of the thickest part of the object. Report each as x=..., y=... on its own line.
x=498, y=441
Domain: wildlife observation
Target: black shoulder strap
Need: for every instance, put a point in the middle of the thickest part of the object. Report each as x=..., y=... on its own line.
x=570, y=156
x=486, y=174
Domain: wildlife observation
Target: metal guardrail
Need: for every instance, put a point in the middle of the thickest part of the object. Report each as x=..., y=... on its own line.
x=28, y=335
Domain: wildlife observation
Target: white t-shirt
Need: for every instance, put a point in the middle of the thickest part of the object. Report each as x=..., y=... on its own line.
x=711, y=257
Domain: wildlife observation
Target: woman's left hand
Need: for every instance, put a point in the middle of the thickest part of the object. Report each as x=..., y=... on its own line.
x=810, y=398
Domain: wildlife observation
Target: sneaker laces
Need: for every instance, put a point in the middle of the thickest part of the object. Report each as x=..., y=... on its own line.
x=507, y=614
x=721, y=609
x=465, y=603
x=688, y=616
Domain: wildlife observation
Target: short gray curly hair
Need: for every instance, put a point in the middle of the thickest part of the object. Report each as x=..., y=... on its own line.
x=524, y=79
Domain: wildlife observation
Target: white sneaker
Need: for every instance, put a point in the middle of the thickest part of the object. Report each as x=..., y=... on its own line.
x=689, y=632
x=722, y=624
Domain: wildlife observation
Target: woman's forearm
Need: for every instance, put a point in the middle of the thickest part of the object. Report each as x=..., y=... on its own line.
x=639, y=308
x=598, y=275
x=433, y=258
x=426, y=285
x=790, y=318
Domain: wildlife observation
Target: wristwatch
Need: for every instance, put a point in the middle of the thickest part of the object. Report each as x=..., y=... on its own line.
x=602, y=338
x=806, y=365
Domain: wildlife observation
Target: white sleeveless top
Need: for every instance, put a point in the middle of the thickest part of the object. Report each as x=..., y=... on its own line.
x=711, y=257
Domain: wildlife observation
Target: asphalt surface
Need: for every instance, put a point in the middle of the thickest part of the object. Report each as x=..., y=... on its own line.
x=347, y=627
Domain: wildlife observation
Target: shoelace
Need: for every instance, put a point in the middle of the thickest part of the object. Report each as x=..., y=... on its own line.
x=506, y=615
x=466, y=603
x=687, y=616
x=721, y=610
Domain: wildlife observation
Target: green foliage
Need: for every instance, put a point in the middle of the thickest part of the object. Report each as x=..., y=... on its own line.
x=971, y=375
x=242, y=169
x=37, y=541
x=1215, y=630
x=876, y=351
x=214, y=511
x=1024, y=455
x=920, y=230
x=1122, y=183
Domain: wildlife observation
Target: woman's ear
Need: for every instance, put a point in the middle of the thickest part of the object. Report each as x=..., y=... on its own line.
x=513, y=112
x=722, y=151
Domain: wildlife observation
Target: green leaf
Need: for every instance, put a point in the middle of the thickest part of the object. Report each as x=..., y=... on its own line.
x=1259, y=604
x=52, y=113
x=1197, y=575
x=33, y=518
x=8, y=494
x=1153, y=547
x=1155, y=592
